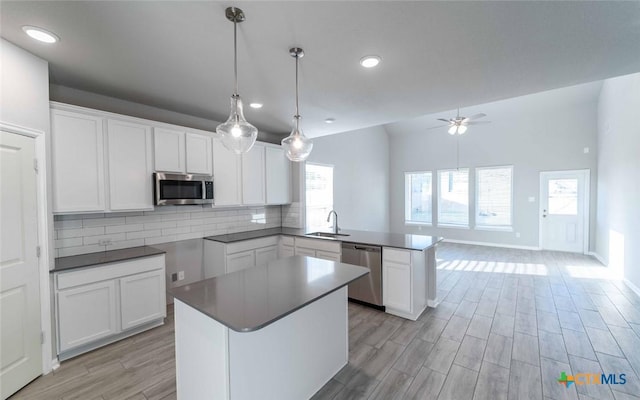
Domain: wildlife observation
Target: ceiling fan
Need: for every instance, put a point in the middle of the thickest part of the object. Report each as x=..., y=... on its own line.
x=458, y=125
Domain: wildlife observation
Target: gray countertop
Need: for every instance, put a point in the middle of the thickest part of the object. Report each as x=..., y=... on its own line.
x=103, y=257
x=386, y=239
x=253, y=298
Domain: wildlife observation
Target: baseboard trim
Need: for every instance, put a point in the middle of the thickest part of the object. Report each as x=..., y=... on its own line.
x=55, y=364
x=632, y=286
x=598, y=257
x=490, y=244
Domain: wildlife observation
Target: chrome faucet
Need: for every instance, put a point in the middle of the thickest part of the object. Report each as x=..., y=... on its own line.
x=335, y=221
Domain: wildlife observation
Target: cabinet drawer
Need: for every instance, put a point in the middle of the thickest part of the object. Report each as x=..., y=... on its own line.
x=240, y=261
x=325, y=255
x=319, y=244
x=105, y=272
x=305, y=252
x=399, y=256
x=287, y=240
x=252, y=244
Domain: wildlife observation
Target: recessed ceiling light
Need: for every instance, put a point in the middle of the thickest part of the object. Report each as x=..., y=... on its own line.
x=330, y=120
x=370, y=61
x=255, y=105
x=40, y=34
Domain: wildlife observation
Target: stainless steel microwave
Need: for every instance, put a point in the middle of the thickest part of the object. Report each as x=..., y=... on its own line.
x=181, y=189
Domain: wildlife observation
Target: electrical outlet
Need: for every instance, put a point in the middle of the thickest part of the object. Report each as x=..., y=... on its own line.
x=174, y=277
x=104, y=242
x=517, y=234
x=181, y=275
x=586, y=150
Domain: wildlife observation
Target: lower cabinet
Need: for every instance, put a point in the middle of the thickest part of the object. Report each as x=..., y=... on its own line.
x=222, y=258
x=100, y=304
x=239, y=261
x=319, y=248
x=404, y=282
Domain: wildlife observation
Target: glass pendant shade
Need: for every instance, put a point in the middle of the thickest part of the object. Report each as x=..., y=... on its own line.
x=297, y=146
x=237, y=134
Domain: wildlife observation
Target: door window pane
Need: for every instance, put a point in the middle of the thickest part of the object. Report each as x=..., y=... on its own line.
x=418, y=192
x=563, y=196
x=453, y=197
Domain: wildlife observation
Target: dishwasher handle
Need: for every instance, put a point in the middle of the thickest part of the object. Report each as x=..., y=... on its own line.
x=368, y=249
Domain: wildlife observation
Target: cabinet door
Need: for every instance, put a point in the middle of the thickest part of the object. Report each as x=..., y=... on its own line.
x=226, y=176
x=199, y=159
x=301, y=251
x=253, y=176
x=142, y=298
x=286, y=251
x=278, y=176
x=239, y=261
x=77, y=154
x=169, y=150
x=266, y=254
x=325, y=255
x=130, y=166
x=86, y=313
x=396, y=286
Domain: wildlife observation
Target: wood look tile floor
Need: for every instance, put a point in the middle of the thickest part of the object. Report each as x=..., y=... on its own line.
x=509, y=323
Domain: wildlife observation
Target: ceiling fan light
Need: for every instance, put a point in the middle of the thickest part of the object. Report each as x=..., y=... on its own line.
x=462, y=129
x=452, y=129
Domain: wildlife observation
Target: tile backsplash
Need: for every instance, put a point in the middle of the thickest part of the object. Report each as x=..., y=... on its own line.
x=90, y=233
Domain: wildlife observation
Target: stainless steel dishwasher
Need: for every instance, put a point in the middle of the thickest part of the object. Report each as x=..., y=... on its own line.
x=367, y=289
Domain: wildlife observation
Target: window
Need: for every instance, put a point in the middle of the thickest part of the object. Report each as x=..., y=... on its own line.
x=493, y=196
x=319, y=194
x=453, y=197
x=417, y=198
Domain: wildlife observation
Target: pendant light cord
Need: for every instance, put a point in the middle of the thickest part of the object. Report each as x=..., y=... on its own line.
x=235, y=55
x=297, y=109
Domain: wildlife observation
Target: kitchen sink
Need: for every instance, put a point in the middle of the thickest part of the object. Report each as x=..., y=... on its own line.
x=327, y=234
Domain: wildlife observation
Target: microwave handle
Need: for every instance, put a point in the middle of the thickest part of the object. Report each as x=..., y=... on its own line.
x=204, y=190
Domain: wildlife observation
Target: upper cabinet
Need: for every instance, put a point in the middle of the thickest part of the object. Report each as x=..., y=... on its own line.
x=278, y=176
x=253, y=177
x=77, y=148
x=129, y=153
x=226, y=176
x=182, y=152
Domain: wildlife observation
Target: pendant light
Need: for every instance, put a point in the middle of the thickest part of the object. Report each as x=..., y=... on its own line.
x=297, y=146
x=237, y=134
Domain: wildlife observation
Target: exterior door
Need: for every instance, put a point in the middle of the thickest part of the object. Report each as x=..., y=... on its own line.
x=20, y=348
x=564, y=210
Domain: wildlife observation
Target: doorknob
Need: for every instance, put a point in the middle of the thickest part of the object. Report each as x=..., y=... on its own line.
x=544, y=213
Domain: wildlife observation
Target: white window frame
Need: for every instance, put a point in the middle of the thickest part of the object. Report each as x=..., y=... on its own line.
x=439, y=192
x=501, y=228
x=407, y=200
x=305, y=187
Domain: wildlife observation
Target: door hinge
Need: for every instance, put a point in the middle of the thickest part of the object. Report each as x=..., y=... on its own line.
x=38, y=251
x=41, y=337
x=35, y=164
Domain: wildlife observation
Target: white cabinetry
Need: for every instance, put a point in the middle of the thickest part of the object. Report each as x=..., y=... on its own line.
x=404, y=282
x=100, y=304
x=286, y=246
x=129, y=153
x=253, y=177
x=278, y=176
x=77, y=152
x=319, y=248
x=180, y=152
x=226, y=176
x=221, y=258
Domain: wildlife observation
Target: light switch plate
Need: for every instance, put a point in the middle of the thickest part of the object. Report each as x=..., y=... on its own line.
x=532, y=199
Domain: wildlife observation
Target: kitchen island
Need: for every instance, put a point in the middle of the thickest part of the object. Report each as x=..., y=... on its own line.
x=275, y=331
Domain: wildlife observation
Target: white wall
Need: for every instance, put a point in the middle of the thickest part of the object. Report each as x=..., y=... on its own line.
x=540, y=132
x=618, y=226
x=360, y=176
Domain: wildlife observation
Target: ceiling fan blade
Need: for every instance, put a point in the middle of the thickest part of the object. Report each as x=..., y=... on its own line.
x=475, y=116
x=437, y=127
x=477, y=122
x=444, y=120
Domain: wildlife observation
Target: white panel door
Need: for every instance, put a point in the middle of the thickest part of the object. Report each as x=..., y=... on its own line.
x=278, y=176
x=253, y=176
x=396, y=289
x=266, y=254
x=240, y=261
x=77, y=154
x=199, y=159
x=142, y=298
x=564, y=210
x=169, y=150
x=86, y=313
x=130, y=166
x=20, y=350
x=226, y=176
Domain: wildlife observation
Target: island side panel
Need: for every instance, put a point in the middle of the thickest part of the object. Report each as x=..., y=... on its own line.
x=432, y=264
x=201, y=355
x=293, y=357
